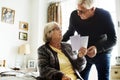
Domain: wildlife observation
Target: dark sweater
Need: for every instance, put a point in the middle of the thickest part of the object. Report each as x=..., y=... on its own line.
x=99, y=28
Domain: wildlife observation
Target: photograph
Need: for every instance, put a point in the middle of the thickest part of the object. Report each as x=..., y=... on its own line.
x=23, y=26
x=7, y=15
x=23, y=36
x=31, y=63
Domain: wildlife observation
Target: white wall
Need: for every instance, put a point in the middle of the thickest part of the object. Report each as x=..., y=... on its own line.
x=38, y=20
x=9, y=33
x=31, y=11
x=118, y=19
x=66, y=11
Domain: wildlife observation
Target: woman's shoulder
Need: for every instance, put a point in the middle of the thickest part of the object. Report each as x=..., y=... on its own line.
x=42, y=47
x=65, y=44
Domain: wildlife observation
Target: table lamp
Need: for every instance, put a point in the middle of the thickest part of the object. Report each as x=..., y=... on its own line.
x=24, y=49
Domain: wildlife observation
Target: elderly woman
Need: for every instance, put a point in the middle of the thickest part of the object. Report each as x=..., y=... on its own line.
x=56, y=60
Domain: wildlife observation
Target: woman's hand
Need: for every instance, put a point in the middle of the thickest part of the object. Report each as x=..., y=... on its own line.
x=82, y=52
x=66, y=77
x=92, y=51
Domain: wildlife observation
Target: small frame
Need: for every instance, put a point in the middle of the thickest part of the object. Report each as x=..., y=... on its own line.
x=23, y=26
x=7, y=15
x=31, y=63
x=23, y=36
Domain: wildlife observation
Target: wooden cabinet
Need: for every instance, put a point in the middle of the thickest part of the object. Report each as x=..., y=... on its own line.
x=115, y=72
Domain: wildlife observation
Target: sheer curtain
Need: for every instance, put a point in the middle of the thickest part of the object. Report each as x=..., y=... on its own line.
x=54, y=12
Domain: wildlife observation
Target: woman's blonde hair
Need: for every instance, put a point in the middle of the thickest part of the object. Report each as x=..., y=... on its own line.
x=86, y=3
x=48, y=31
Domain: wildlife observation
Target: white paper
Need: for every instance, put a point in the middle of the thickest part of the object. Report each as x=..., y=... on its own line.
x=4, y=69
x=75, y=42
x=78, y=41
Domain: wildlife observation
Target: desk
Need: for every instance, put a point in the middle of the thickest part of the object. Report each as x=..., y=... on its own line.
x=16, y=78
x=26, y=74
x=115, y=72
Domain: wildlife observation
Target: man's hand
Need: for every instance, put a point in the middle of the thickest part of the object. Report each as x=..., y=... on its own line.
x=92, y=51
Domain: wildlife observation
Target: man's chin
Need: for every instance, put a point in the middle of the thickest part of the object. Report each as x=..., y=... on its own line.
x=84, y=18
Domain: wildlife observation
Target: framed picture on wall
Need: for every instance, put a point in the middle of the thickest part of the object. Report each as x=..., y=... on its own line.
x=23, y=36
x=31, y=63
x=23, y=26
x=7, y=15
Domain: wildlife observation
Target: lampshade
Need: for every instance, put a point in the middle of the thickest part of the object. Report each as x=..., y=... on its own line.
x=24, y=49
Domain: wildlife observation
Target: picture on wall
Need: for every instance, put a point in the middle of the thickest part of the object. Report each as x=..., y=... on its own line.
x=23, y=26
x=31, y=63
x=7, y=15
x=23, y=36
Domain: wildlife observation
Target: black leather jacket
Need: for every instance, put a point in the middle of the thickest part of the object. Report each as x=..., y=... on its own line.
x=49, y=65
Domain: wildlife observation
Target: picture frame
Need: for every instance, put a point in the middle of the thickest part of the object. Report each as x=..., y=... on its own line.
x=23, y=36
x=1, y=63
x=31, y=64
x=7, y=15
x=23, y=26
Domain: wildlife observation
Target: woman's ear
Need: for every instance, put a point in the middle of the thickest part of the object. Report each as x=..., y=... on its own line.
x=48, y=36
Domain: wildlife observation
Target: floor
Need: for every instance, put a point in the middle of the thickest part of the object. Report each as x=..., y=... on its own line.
x=93, y=73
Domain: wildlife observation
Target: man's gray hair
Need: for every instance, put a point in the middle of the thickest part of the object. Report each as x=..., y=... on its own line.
x=86, y=3
x=48, y=31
